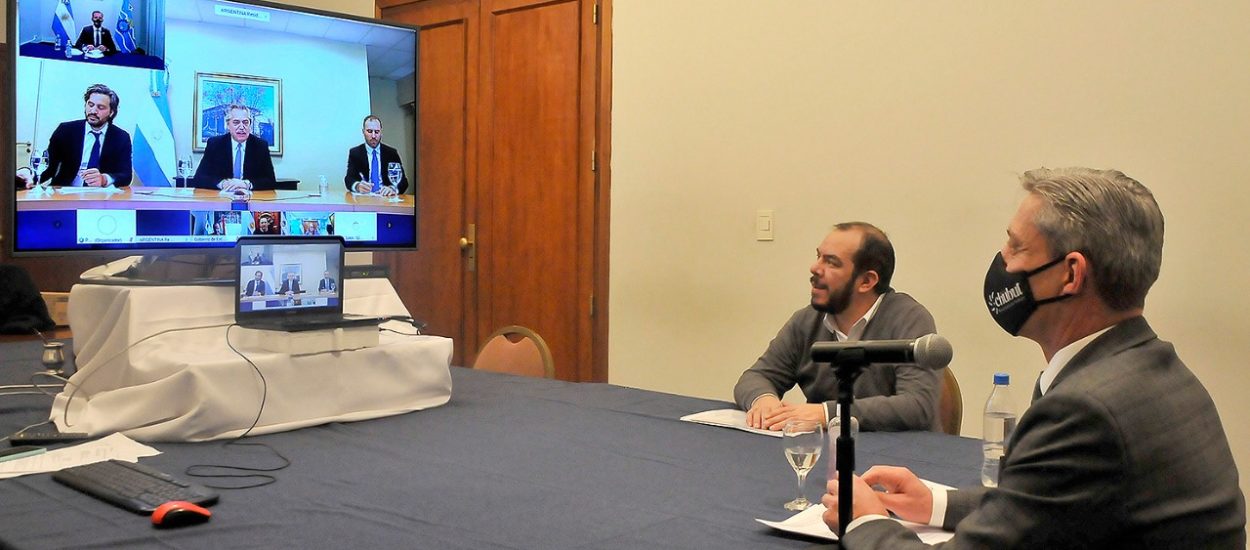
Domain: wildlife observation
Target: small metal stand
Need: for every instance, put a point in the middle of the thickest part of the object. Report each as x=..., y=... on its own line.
x=847, y=364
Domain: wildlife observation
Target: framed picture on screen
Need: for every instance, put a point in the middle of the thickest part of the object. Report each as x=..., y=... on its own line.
x=215, y=92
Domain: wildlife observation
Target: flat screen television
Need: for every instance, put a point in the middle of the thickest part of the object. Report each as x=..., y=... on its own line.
x=177, y=126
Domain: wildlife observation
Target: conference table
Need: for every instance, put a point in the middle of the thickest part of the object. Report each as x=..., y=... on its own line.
x=509, y=462
x=189, y=198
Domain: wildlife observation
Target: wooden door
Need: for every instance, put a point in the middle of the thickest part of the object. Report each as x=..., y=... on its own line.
x=536, y=188
x=513, y=94
x=436, y=282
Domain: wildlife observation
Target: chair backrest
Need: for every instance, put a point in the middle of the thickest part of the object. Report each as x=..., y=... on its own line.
x=951, y=404
x=516, y=350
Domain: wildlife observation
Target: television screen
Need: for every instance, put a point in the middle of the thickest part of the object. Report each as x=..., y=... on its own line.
x=159, y=125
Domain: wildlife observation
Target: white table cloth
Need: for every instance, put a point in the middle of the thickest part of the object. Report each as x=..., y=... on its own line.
x=153, y=362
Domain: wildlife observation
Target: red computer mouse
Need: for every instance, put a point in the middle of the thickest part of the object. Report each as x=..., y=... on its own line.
x=177, y=513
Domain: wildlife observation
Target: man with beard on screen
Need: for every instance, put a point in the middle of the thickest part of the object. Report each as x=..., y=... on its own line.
x=851, y=300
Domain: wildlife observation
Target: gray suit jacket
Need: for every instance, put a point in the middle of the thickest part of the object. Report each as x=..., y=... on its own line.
x=887, y=397
x=1125, y=450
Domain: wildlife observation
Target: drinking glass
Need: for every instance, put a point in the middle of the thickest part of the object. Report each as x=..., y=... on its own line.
x=184, y=170
x=394, y=172
x=803, y=441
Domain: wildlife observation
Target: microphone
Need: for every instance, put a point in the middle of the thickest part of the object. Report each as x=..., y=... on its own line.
x=929, y=351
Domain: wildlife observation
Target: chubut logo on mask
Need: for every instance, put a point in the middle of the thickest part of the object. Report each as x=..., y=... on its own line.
x=1009, y=297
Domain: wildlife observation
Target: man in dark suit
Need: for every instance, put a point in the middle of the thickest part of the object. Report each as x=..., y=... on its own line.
x=257, y=286
x=327, y=284
x=367, y=163
x=95, y=37
x=238, y=159
x=1122, y=446
x=93, y=151
x=290, y=285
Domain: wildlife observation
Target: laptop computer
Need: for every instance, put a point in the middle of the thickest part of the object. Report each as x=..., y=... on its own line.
x=292, y=284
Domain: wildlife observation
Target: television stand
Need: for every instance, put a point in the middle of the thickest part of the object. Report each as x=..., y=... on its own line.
x=165, y=270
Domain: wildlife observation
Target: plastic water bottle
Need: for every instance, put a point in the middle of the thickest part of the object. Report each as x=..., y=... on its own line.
x=1000, y=421
x=323, y=187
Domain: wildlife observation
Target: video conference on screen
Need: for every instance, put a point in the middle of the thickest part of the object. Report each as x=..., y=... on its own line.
x=288, y=277
x=216, y=119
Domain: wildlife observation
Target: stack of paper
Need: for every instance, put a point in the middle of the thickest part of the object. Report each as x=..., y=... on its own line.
x=116, y=446
x=809, y=522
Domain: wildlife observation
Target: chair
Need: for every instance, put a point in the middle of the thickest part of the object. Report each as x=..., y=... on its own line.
x=951, y=403
x=516, y=350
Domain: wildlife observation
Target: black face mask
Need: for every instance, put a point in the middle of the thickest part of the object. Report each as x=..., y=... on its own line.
x=1009, y=296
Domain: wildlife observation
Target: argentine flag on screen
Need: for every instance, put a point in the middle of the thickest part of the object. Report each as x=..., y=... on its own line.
x=63, y=23
x=125, y=30
x=153, y=154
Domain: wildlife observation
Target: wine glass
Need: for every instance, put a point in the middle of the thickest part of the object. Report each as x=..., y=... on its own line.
x=803, y=441
x=394, y=173
x=184, y=170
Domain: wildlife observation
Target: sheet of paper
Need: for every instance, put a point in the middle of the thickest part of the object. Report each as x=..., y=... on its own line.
x=116, y=446
x=81, y=190
x=809, y=522
x=727, y=418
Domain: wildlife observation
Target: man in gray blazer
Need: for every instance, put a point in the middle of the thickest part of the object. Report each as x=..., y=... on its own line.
x=851, y=300
x=1122, y=446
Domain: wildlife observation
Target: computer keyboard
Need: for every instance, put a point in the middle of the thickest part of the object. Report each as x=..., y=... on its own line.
x=132, y=486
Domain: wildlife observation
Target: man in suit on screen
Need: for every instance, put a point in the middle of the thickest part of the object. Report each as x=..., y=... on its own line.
x=327, y=284
x=237, y=159
x=256, y=286
x=95, y=37
x=1122, y=446
x=368, y=163
x=92, y=151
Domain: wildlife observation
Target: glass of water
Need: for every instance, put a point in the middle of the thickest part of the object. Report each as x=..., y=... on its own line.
x=184, y=170
x=803, y=441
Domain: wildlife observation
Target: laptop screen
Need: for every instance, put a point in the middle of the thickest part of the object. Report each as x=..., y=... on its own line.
x=289, y=276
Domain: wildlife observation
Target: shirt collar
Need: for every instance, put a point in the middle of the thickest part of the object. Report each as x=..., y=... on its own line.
x=103, y=129
x=857, y=329
x=1063, y=357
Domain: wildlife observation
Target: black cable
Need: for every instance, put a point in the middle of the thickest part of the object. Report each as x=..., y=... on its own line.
x=68, y=400
x=197, y=470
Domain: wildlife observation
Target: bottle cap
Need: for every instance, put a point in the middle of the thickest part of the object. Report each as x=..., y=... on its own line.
x=1002, y=379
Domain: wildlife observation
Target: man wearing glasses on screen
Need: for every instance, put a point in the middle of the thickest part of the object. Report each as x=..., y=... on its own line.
x=237, y=160
x=372, y=164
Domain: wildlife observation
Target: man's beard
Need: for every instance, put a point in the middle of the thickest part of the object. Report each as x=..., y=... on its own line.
x=838, y=301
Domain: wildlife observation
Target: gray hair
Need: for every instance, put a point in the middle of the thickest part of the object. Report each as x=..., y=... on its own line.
x=1110, y=218
x=240, y=107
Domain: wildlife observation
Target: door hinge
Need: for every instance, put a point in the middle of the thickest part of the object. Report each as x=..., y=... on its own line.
x=594, y=161
x=594, y=13
x=592, y=305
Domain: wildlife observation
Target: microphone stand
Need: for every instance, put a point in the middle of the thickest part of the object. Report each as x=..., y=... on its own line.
x=848, y=364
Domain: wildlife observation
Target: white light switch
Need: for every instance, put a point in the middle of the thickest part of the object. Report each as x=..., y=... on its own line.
x=763, y=225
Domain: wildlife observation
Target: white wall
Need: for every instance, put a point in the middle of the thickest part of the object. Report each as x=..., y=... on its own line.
x=916, y=116
x=323, y=100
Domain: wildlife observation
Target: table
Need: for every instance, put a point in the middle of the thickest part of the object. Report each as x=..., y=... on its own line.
x=509, y=462
x=183, y=198
x=49, y=51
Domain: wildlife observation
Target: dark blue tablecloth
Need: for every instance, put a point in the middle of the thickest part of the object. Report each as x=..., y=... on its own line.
x=49, y=51
x=510, y=462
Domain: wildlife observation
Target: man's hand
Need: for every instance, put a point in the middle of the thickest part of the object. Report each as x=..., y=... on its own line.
x=905, y=495
x=232, y=184
x=362, y=187
x=388, y=191
x=27, y=177
x=865, y=501
x=763, y=406
x=778, y=416
x=92, y=177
